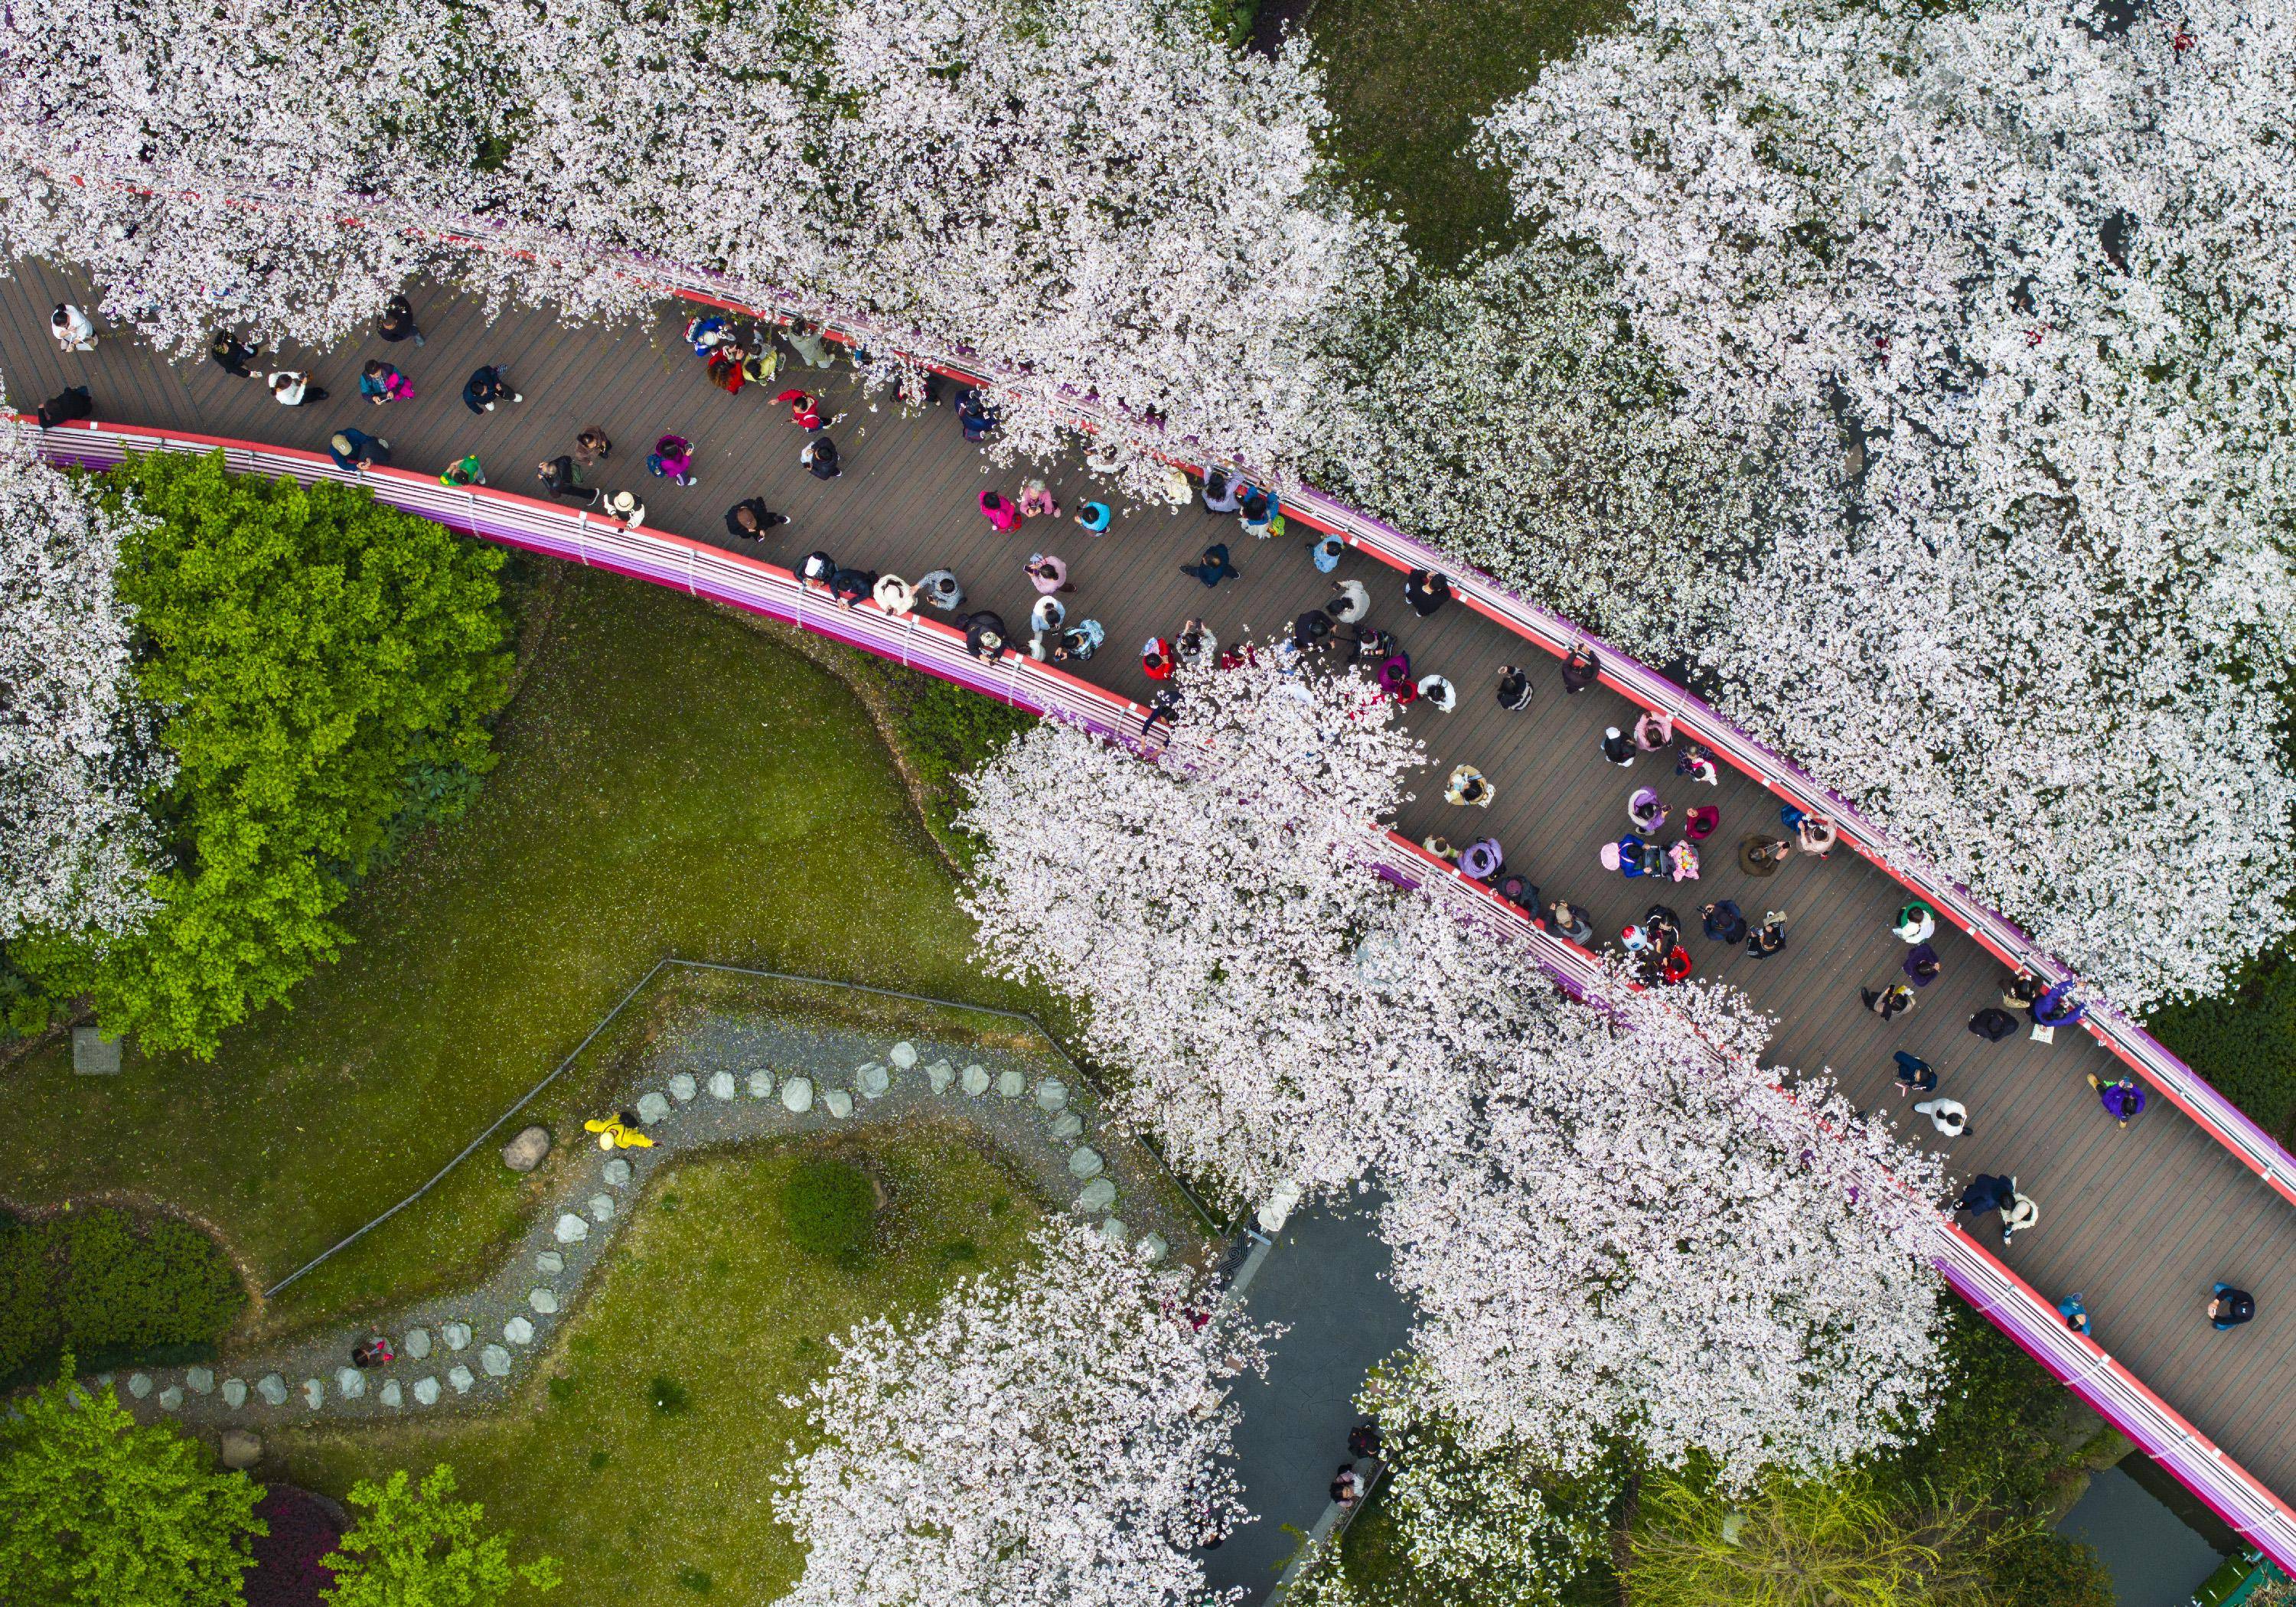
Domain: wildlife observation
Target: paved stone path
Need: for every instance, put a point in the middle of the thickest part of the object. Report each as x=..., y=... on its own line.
x=727, y=1080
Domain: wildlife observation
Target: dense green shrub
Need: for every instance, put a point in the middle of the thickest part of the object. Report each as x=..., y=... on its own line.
x=831, y=1208
x=2243, y=1040
x=945, y=731
x=94, y=1282
x=2048, y=1569
x=328, y=665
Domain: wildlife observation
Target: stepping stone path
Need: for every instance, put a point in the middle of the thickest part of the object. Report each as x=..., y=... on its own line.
x=827, y=1075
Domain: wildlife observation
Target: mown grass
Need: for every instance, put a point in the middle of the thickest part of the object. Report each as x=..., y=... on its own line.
x=1407, y=78
x=642, y=1454
x=671, y=783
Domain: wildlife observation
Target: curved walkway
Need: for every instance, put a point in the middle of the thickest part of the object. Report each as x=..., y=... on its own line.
x=738, y=1080
x=2140, y=1221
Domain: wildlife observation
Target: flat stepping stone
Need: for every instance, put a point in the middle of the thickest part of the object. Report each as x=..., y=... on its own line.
x=602, y=1208
x=761, y=1084
x=1098, y=1195
x=388, y=1394
x=458, y=1335
x=871, y=1081
x=551, y=1262
x=1011, y=1084
x=543, y=1302
x=652, y=1108
x=1114, y=1231
x=903, y=1055
x=460, y=1377
x=350, y=1383
x=797, y=1095
x=617, y=1173
x=1084, y=1161
x=721, y=1085
x=273, y=1388
x=839, y=1103
x=681, y=1087
x=315, y=1393
x=426, y=1390
x=417, y=1344
x=234, y=1393
x=1066, y=1125
x=940, y=1074
x=1052, y=1095
x=199, y=1380
x=1152, y=1247
x=495, y=1362
x=518, y=1330
x=570, y=1229
x=171, y=1399
x=975, y=1080
x=139, y=1384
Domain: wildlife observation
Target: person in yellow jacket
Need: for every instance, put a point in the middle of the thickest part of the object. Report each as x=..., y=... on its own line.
x=618, y=1133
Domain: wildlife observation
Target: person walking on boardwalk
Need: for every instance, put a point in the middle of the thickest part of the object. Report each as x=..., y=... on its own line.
x=2229, y=1308
x=73, y=329
x=2058, y=1007
x=672, y=459
x=380, y=383
x=1993, y=1023
x=1915, y=1074
x=819, y=568
x=1922, y=965
x=804, y=409
x=1760, y=855
x=1986, y=1193
x=563, y=479
x=356, y=449
x=488, y=386
x=1095, y=517
x=397, y=322
x=1916, y=922
x=1213, y=567
x=229, y=353
x=811, y=345
x=2122, y=1098
x=1467, y=786
x=750, y=519
x=1220, y=493
x=1723, y=921
x=1514, y=688
x=1617, y=748
x=1567, y=919
x=2075, y=1314
x=1047, y=574
x=1646, y=810
x=1949, y=1117
x=292, y=388
x=985, y=635
x=1426, y=590
x=1770, y=936
x=592, y=448
x=464, y=470
x=820, y=458
x=1653, y=731
x=2020, y=1214
x=1581, y=670
x=1888, y=1003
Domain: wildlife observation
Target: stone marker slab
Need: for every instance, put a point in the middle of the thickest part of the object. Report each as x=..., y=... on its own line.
x=939, y=1075
x=602, y=1208
x=839, y=1103
x=495, y=1361
x=551, y=1262
x=1011, y=1084
x=543, y=1302
x=388, y=1394
x=273, y=1388
x=234, y=1393
x=1114, y=1231
x=239, y=1449
x=460, y=1377
x=171, y=1399
x=315, y=1393
x=350, y=1383
x=1052, y=1095
x=518, y=1330
x=91, y=1056
x=683, y=1088
x=570, y=1229
x=617, y=1173
x=903, y=1055
x=1084, y=1161
x=797, y=1095
x=761, y=1084
x=721, y=1085
x=872, y=1081
x=975, y=1080
x=1066, y=1125
x=199, y=1380
x=139, y=1384
x=426, y=1390
x=458, y=1335
x=651, y=1107
x=417, y=1344
x=1152, y=1247
x=524, y=1152
x=1098, y=1195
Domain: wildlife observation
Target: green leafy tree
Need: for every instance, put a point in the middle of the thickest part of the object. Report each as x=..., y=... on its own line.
x=101, y=1512
x=418, y=1546
x=328, y=667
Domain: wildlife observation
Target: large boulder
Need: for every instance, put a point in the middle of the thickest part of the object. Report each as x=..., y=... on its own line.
x=524, y=1152
x=240, y=1450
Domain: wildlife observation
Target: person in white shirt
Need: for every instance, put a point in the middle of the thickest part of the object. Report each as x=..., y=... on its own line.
x=291, y=388
x=71, y=327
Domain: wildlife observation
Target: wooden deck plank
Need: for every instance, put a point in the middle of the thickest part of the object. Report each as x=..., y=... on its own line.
x=2139, y=1221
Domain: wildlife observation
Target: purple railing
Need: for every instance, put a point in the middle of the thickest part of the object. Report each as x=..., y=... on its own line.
x=703, y=571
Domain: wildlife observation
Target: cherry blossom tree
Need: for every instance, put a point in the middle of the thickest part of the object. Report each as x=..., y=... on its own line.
x=1997, y=291
x=1284, y=1018
x=1096, y=196
x=78, y=750
x=1047, y=1438
x=1646, y=1238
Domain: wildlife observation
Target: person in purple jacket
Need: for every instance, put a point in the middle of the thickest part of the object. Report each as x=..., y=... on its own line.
x=2122, y=1098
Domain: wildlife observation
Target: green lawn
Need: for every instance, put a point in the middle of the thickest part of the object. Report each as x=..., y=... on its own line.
x=671, y=782
x=706, y=1294
x=1406, y=81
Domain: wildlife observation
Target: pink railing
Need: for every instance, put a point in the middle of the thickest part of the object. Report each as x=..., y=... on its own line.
x=703, y=570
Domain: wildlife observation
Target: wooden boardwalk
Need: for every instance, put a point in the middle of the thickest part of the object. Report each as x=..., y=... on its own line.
x=2138, y=1221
